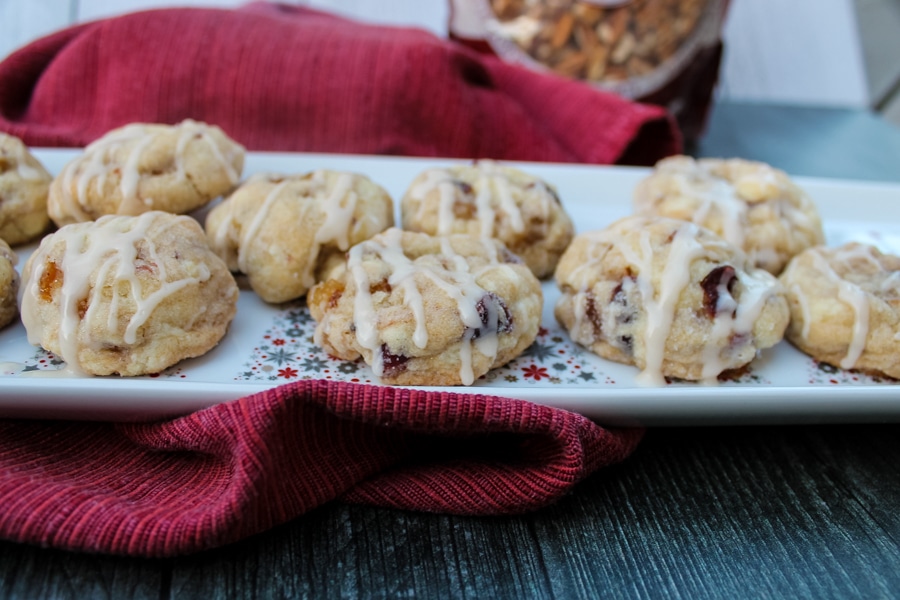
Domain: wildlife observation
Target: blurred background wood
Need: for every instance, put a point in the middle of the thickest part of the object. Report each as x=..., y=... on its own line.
x=834, y=53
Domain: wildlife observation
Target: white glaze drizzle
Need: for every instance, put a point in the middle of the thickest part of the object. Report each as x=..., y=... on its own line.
x=190, y=129
x=459, y=284
x=722, y=328
x=95, y=165
x=486, y=213
x=803, y=304
x=249, y=232
x=7, y=253
x=447, y=194
x=336, y=200
x=856, y=298
x=443, y=181
x=339, y=205
x=494, y=189
x=736, y=318
x=30, y=173
x=131, y=176
x=850, y=294
x=660, y=302
x=106, y=246
x=716, y=194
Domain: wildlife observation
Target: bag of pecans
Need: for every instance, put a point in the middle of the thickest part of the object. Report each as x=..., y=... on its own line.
x=664, y=52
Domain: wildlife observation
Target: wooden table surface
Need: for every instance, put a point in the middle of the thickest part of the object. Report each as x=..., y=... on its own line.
x=697, y=512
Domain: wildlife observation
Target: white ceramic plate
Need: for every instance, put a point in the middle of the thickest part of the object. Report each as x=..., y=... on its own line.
x=271, y=345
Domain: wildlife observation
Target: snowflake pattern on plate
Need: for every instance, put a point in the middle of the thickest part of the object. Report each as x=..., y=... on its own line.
x=553, y=359
x=821, y=373
x=42, y=360
x=288, y=352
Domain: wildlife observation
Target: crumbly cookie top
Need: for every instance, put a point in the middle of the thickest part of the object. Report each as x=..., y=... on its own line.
x=121, y=151
x=494, y=187
x=408, y=262
x=859, y=273
x=655, y=256
x=114, y=252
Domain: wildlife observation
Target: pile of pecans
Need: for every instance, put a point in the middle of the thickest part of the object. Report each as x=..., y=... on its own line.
x=590, y=41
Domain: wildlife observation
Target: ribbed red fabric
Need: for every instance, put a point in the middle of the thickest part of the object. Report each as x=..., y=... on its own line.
x=278, y=77
x=227, y=472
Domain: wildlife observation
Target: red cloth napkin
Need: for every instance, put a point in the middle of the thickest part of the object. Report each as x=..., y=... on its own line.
x=279, y=77
x=236, y=469
x=284, y=78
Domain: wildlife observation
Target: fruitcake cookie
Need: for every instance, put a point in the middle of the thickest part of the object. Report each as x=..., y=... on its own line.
x=283, y=231
x=670, y=297
x=24, y=183
x=143, y=167
x=425, y=310
x=127, y=295
x=9, y=285
x=490, y=200
x=845, y=307
x=752, y=205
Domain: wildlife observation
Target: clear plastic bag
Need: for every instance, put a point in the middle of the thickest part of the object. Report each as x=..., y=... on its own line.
x=660, y=51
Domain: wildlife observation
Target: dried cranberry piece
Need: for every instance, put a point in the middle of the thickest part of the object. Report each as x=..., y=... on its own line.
x=550, y=190
x=619, y=298
x=711, y=284
x=504, y=317
x=553, y=193
x=463, y=186
x=737, y=340
x=593, y=315
x=464, y=207
x=508, y=257
x=382, y=286
x=393, y=364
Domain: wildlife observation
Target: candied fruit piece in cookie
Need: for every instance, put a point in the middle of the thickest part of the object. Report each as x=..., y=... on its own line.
x=670, y=297
x=127, y=295
x=24, y=185
x=142, y=167
x=845, y=307
x=491, y=200
x=428, y=310
x=752, y=205
x=9, y=285
x=285, y=232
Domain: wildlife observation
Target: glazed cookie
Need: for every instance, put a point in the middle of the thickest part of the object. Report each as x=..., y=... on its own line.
x=670, y=297
x=490, y=200
x=425, y=310
x=750, y=204
x=845, y=307
x=24, y=183
x=283, y=232
x=127, y=295
x=143, y=167
x=9, y=285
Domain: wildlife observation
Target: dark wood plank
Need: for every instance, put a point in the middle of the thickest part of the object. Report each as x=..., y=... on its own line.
x=735, y=512
x=28, y=572
x=696, y=512
x=720, y=513
x=356, y=551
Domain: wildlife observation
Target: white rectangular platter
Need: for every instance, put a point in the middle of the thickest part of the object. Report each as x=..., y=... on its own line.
x=268, y=346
